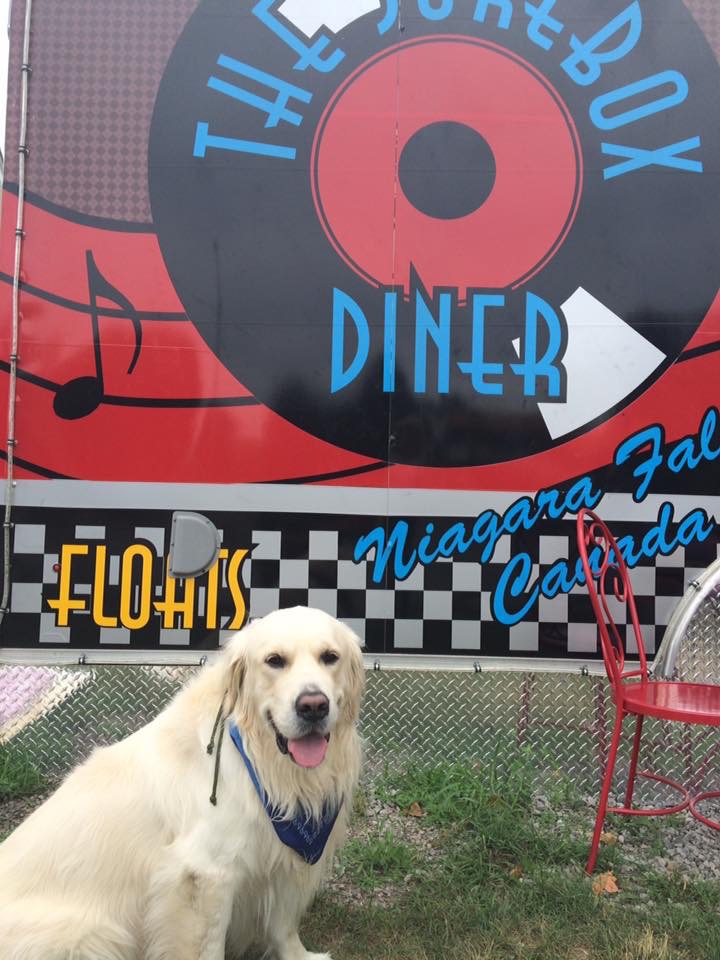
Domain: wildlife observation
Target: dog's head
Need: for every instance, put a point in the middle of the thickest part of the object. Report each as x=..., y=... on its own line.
x=297, y=676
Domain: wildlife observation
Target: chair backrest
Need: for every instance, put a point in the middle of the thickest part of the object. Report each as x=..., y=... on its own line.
x=606, y=576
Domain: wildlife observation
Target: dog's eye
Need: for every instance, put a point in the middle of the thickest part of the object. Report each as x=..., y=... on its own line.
x=275, y=661
x=329, y=657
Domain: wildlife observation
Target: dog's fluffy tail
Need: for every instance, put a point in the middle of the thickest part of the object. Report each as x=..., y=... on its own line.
x=41, y=929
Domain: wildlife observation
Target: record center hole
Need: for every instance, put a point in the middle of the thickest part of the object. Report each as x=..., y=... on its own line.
x=447, y=170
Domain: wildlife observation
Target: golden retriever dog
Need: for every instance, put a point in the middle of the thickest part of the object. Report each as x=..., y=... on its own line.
x=208, y=830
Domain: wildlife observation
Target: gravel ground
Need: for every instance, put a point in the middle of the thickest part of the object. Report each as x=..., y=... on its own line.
x=692, y=849
x=689, y=849
x=678, y=844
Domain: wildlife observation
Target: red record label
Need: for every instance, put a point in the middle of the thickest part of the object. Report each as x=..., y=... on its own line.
x=536, y=168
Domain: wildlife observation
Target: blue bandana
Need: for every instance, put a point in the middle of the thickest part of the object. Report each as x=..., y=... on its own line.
x=307, y=837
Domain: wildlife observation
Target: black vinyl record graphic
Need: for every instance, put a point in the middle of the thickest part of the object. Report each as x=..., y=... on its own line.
x=367, y=240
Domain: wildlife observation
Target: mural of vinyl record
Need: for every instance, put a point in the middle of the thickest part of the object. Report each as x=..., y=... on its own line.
x=441, y=239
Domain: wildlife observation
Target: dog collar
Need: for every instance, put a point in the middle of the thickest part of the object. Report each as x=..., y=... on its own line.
x=303, y=834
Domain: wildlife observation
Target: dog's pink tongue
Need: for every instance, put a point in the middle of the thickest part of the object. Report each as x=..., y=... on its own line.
x=308, y=751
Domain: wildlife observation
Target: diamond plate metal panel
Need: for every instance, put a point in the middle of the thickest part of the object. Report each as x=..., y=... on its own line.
x=556, y=727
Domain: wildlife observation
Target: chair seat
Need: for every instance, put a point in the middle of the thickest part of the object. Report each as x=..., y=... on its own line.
x=687, y=702
x=697, y=703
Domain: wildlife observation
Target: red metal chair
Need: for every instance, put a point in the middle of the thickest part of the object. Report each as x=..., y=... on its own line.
x=634, y=693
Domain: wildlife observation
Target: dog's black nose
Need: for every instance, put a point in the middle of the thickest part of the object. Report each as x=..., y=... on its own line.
x=312, y=706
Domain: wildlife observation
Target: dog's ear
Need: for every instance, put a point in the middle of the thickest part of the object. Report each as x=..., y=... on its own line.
x=236, y=671
x=356, y=670
x=236, y=679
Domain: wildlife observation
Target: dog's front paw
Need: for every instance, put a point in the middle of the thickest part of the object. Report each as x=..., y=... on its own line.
x=292, y=949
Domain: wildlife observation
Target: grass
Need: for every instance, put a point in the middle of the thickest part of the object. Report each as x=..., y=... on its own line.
x=505, y=880
x=505, y=883
x=18, y=775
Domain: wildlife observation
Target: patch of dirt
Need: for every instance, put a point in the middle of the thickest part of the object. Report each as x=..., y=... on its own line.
x=408, y=827
x=15, y=809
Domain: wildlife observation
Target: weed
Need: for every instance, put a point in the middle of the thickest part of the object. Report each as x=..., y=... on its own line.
x=18, y=776
x=648, y=946
x=449, y=794
x=496, y=811
x=360, y=805
x=562, y=792
x=382, y=859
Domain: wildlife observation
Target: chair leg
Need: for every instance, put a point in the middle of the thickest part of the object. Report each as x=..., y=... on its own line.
x=605, y=792
x=634, y=761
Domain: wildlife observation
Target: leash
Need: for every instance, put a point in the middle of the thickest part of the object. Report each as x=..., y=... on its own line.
x=211, y=746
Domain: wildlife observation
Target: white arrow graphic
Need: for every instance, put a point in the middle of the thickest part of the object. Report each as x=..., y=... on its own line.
x=605, y=361
x=309, y=16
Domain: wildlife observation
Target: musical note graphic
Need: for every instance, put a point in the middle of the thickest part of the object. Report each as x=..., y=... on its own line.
x=83, y=395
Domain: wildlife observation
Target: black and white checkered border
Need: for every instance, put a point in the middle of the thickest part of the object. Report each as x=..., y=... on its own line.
x=443, y=608
x=446, y=607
